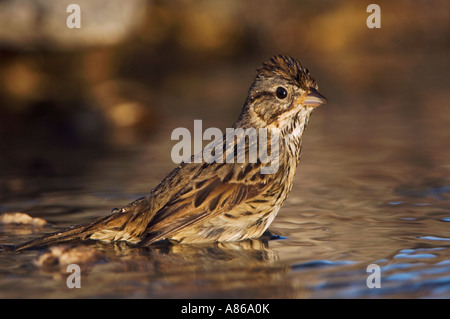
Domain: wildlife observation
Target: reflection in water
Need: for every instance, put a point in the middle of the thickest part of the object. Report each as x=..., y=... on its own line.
x=243, y=269
x=198, y=270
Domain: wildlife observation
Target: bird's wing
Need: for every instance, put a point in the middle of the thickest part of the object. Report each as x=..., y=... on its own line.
x=202, y=198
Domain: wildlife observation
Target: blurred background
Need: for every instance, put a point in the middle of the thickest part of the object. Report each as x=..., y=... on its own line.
x=86, y=117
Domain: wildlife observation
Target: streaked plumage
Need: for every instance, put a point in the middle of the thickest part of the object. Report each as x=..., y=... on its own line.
x=219, y=202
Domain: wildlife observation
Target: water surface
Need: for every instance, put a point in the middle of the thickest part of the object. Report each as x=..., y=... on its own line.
x=372, y=188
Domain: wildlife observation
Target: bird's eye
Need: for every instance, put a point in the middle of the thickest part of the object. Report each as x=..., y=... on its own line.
x=281, y=92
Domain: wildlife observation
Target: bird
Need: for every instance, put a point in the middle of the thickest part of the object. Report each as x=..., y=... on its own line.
x=200, y=202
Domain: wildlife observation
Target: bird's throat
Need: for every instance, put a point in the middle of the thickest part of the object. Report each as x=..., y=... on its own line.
x=292, y=133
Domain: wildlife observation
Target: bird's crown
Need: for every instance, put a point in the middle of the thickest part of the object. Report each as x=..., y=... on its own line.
x=288, y=69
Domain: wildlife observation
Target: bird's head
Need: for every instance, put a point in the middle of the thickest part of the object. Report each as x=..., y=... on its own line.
x=283, y=91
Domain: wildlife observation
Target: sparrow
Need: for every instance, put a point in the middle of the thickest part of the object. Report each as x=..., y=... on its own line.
x=202, y=202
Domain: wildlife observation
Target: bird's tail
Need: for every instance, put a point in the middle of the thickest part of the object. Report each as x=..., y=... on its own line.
x=127, y=224
x=80, y=232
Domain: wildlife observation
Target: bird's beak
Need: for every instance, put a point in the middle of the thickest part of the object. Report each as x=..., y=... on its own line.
x=313, y=98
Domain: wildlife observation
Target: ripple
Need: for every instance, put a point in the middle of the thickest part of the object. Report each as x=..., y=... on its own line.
x=395, y=203
x=417, y=253
x=320, y=264
x=399, y=266
x=400, y=277
x=435, y=238
x=423, y=204
x=414, y=256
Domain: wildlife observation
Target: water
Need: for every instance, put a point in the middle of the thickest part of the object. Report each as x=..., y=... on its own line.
x=373, y=187
x=359, y=199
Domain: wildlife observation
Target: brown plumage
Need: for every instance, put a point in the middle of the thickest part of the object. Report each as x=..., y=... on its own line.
x=219, y=202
